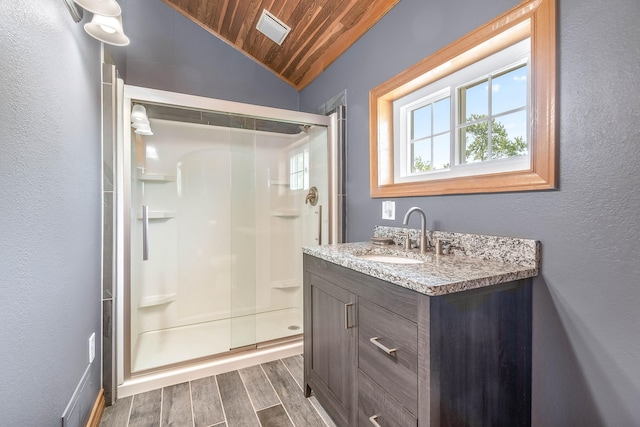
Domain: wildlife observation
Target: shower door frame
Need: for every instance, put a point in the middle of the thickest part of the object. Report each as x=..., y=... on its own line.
x=123, y=166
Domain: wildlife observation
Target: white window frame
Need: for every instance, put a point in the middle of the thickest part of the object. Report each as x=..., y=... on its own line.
x=506, y=59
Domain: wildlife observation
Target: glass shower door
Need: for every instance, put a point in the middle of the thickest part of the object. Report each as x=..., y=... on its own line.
x=181, y=261
x=218, y=220
x=295, y=190
x=211, y=222
x=242, y=241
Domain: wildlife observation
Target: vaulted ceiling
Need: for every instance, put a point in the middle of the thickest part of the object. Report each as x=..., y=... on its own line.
x=321, y=30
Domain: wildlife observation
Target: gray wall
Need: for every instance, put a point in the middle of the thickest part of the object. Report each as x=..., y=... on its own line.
x=170, y=52
x=50, y=199
x=586, y=324
x=586, y=360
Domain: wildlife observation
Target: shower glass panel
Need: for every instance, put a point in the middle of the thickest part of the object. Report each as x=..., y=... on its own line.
x=220, y=210
x=243, y=238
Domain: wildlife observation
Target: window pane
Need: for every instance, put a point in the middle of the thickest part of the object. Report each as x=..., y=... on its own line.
x=509, y=136
x=509, y=90
x=300, y=162
x=299, y=170
x=306, y=169
x=421, y=156
x=442, y=151
x=421, y=122
x=474, y=102
x=474, y=143
x=442, y=116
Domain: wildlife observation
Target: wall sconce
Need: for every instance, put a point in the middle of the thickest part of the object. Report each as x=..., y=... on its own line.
x=107, y=29
x=106, y=24
x=101, y=7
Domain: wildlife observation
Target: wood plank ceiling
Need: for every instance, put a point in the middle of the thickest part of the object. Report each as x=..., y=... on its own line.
x=321, y=30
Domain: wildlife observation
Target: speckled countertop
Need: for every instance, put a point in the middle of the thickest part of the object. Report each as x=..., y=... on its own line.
x=470, y=261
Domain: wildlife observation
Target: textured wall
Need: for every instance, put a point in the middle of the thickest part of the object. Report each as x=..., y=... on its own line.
x=50, y=203
x=586, y=322
x=170, y=52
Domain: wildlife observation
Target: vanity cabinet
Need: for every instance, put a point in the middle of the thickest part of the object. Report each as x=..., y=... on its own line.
x=379, y=354
x=330, y=313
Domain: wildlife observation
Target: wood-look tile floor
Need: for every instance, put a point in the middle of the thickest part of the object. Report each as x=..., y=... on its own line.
x=267, y=395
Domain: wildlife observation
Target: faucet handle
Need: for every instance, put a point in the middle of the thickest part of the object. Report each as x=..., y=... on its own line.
x=407, y=241
x=439, y=242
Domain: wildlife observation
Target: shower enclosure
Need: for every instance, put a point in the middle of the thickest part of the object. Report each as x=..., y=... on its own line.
x=218, y=202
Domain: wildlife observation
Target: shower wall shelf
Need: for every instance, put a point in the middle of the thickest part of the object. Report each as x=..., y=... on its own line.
x=286, y=213
x=285, y=284
x=152, y=177
x=278, y=183
x=156, y=300
x=160, y=215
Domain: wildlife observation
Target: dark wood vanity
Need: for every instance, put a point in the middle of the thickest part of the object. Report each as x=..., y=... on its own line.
x=379, y=354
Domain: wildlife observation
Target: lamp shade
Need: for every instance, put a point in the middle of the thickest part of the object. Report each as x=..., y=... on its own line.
x=107, y=29
x=101, y=7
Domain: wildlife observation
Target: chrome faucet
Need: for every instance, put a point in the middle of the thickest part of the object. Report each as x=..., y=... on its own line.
x=424, y=242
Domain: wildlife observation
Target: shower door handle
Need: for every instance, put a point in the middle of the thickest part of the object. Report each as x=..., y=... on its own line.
x=312, y=196
x=319, y=224
x=145, y=233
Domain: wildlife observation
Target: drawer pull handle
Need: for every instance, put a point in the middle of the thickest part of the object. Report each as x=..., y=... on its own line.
x=373, y=419
x=346, y=315
x=387, y=350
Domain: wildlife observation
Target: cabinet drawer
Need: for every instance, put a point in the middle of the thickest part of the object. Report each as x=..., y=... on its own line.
x=395, y=370
x=373, y=401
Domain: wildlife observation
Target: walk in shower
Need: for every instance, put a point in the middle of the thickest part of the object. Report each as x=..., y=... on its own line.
x=217, y=202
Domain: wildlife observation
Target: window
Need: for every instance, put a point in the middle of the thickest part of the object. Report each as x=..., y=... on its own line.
x=493, y=116
x=485, y=103
x=299, y=170
x=477, y=116
x=426, y=142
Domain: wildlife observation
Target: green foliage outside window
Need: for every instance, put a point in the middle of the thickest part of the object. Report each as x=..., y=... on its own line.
x=501, y=145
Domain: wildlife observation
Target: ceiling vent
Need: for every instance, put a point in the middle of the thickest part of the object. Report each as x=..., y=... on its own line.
x=272, y=27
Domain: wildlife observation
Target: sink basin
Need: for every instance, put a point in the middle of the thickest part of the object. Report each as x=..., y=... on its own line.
x=391, y=259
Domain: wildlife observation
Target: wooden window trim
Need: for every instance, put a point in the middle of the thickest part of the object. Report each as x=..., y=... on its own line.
x=531, y=18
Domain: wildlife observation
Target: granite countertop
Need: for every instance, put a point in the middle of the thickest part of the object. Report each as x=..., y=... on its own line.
x=471, y=261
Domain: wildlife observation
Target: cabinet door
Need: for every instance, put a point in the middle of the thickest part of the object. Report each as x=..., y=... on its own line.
x=330, y=346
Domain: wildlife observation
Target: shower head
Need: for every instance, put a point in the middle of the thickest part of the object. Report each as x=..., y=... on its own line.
x=140, y=121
